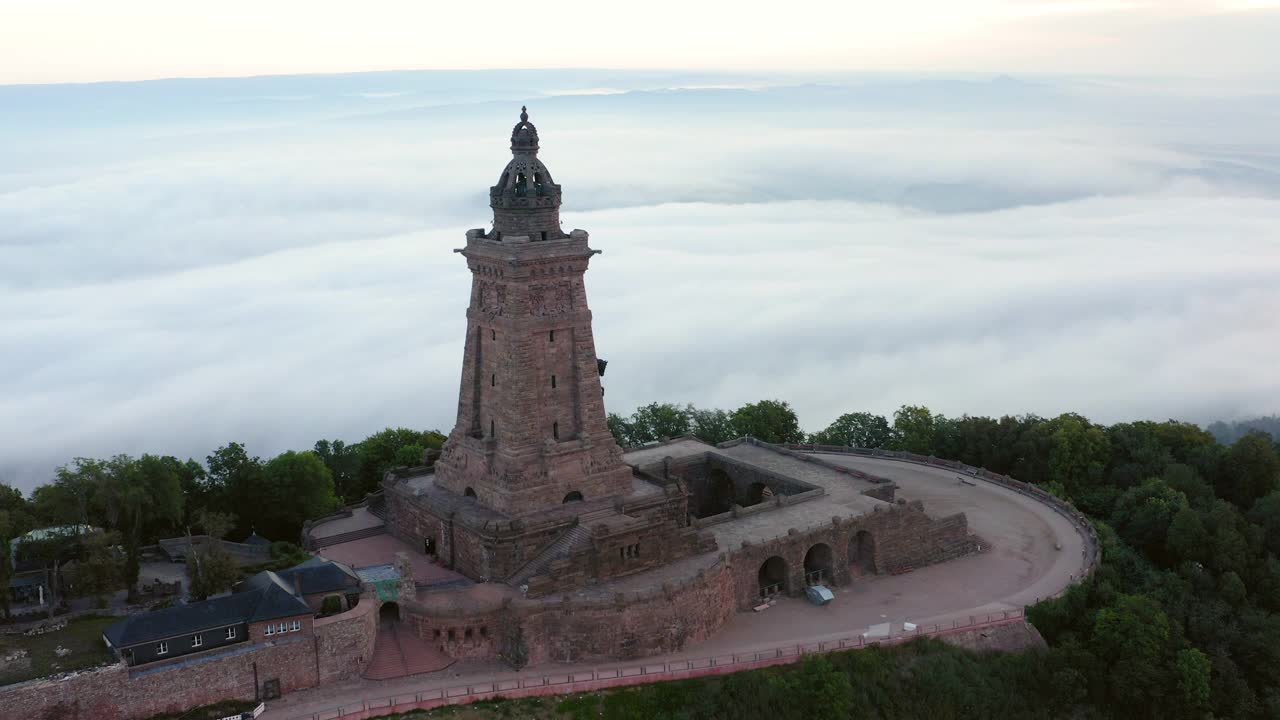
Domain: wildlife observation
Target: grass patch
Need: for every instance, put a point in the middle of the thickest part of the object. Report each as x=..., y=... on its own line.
x=496, y=709
x=82, y=636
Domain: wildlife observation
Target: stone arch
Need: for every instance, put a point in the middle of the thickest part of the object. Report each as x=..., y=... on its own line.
x=388, y=614
x=862, y=553
x=720, y=493
x=574, y=496
x=757, y=493
x=469, y=493
x=818, y=565
x=774, y=577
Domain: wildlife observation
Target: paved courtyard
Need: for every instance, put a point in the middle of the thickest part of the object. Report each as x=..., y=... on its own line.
x=381, y=550
x=1034, y=553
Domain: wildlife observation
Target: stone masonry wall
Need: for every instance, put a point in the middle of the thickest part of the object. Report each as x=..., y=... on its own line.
x=629, y=626
x=115, y=692
x=344, y=643
x=903, y=537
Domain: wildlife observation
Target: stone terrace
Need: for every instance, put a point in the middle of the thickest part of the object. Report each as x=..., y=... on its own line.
x=842, y=493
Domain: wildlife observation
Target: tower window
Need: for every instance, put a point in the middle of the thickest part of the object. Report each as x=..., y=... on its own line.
x=491, y=429
x=493, y=334
x=553, y=381
x=493, y=380
x=555, y=430
x=552, y=336
x=544, y=235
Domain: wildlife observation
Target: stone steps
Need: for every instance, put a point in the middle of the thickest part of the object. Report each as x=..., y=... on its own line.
x=562, y=547
x=397, y=652
x=349, y=536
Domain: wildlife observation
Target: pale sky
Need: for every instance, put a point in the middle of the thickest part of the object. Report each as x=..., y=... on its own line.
x=90, y=40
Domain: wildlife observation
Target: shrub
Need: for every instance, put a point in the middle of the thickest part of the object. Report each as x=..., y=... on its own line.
x=332, y=605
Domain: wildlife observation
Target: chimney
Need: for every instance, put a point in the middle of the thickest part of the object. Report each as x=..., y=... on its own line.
x=297, y=584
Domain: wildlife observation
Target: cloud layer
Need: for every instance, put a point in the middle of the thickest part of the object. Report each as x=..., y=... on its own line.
x=284, y=273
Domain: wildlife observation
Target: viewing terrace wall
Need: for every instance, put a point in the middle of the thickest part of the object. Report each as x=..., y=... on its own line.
x=1081, y=523
x=593, y=680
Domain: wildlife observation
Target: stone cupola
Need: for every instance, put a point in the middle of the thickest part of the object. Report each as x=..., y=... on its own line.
x=526, y=201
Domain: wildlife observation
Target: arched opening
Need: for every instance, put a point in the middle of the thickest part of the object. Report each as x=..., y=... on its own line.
x=758, y=493
x=388, y=614
x=773, y=577
x=719, y=498
x=429, y=547
x=574, y=496
x=817, y=565
x=469, y=493
x=862, y=553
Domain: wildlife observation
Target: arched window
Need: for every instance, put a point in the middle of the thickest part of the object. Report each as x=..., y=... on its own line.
x=574, y=496
x=469, y=493
x=555, y=430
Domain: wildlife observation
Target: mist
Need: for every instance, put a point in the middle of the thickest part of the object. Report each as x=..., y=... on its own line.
x=268, y=260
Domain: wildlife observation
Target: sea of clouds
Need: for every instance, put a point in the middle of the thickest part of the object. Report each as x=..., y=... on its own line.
x=268, y=260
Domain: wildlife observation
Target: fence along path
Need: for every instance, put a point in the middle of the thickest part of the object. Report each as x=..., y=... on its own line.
x=575, y=681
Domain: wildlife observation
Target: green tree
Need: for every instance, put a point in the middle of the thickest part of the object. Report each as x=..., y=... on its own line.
x=97, y=571
x=913, y=427
x=1249, y=470
x=1232, y=589
x=343, y=462
x=859, y=429
x=620, y=428
x=1078, y=453
x=381, y=451
x=409, y=455
x=1133, y=635
x=1187, y=481
x=712, y=425
x=1144, y=514
x=210, y=570
x=296, y=486
x=1187, y=539
x=141, y=495
x=1266, y=515
x=235, y=483
x=772, y=421
x=658, y=421
x=1193, y=670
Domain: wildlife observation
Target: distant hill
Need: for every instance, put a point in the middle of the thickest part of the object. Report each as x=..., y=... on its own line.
x=1227, y=433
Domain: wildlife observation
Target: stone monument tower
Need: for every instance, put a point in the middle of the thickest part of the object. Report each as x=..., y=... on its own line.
x=531, y=432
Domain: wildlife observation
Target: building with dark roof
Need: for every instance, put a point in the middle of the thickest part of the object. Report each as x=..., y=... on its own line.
x=268, y=608
x=256, y=539
x=313, y=581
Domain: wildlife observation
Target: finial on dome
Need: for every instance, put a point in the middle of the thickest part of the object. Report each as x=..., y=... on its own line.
x=524, y=114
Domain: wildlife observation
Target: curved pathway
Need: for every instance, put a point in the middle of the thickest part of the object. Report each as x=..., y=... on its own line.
x=1034, y=552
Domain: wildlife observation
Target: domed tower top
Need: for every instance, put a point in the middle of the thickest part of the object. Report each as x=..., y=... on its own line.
x=526, y=201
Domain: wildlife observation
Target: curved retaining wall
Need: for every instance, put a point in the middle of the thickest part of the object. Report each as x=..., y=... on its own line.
x=344, y=643
x=629, y=625
x=1081, y=523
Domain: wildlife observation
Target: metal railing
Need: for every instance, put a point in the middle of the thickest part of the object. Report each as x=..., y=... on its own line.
x=573, y=681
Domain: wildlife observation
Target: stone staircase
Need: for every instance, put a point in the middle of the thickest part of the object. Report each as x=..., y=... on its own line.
x=318, y=543
x=378, y=507
x=398, y=652
x=570, y=540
